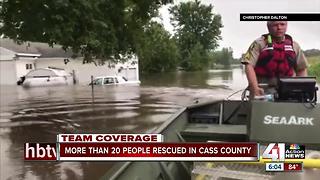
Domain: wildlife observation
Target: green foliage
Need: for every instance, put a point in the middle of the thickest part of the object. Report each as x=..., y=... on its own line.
x=197, y=59
x=195, y=22
x=101, y=29
x=223, y=57
x=197, y=29
x=313, y=59
x=156, y=51
x=314, y=70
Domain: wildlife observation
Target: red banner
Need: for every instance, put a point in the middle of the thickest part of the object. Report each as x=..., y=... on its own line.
x=105, y=138
x=159, y=151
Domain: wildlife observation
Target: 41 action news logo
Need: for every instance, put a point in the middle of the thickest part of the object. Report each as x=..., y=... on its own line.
x=282, y=151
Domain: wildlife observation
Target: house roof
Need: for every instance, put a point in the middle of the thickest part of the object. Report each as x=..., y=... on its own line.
x=35, y=48
x=46, y=51
x=22, y=48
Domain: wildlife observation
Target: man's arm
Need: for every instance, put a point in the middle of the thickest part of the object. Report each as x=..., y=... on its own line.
x=302, y=63
x=255, y=90
x=249, y=60
x=302, y=72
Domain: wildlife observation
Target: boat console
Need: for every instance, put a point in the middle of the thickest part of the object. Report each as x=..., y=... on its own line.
x=297, y=89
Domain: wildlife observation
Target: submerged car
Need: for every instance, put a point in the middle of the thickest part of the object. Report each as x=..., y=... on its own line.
x=47, y=77
x=112, y=80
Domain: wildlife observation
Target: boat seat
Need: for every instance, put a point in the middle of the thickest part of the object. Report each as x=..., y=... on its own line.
x=215, y=132
x=204, y=118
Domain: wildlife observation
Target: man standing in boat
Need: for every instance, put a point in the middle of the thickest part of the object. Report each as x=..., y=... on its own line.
x=272, y=56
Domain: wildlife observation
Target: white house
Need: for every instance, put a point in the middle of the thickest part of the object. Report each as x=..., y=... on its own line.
x=17, y=60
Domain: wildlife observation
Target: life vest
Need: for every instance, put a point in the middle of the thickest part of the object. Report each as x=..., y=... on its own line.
x=276, y=59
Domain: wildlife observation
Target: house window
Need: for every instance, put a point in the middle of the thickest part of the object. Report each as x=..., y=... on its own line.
x=28, y=66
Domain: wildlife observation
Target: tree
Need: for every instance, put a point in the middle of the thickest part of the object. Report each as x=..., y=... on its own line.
x=102, y=29
x=197, y=59
x=156, y=51
x=195, y=25
x=223, y=57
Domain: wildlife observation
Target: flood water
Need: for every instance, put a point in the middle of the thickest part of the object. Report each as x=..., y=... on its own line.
x=39, y=114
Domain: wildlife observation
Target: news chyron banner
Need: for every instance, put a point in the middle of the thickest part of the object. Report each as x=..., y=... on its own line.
x=136, y=147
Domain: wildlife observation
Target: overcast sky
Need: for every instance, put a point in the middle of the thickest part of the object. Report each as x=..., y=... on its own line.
x=240, y=34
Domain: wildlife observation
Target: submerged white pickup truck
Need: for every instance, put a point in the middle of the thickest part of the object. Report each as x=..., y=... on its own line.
x=112, y=80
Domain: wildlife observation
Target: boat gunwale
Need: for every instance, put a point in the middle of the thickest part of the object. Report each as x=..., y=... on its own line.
x=192, y=106
x=160, y=129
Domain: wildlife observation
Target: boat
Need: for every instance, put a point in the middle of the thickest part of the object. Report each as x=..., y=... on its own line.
x=112, y=80
x=47, y=77
x=227, y=120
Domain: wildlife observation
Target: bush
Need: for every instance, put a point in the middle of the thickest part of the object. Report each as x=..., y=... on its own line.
x=314, y=70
